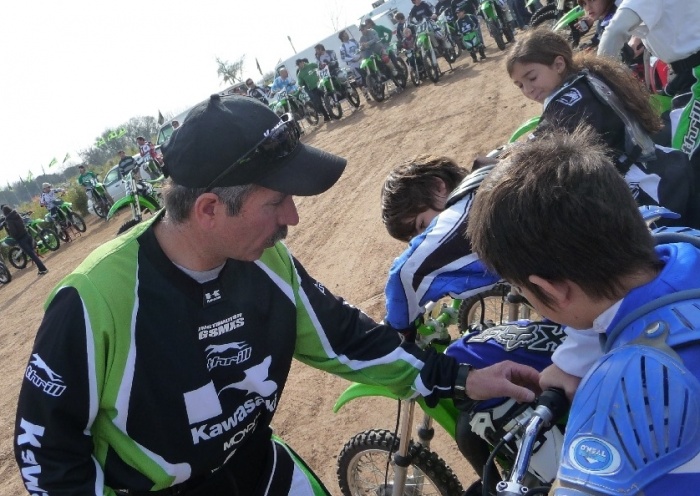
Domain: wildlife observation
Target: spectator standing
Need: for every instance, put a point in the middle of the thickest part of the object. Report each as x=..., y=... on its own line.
x=15, y=228
x=307, y=77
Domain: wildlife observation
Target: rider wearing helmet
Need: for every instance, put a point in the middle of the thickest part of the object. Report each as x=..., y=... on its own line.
x=50, y=200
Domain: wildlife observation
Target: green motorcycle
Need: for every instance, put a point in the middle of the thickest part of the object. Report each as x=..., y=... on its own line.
x=335, y=89
x=427, y=51
x=296, y=103
x=378, y=75
x=498, y=27
x=141, y=197
x=65, y=222
x=453, y=48
x=101, y=202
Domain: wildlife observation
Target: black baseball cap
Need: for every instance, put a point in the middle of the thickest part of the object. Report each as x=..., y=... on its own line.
x=213, y=144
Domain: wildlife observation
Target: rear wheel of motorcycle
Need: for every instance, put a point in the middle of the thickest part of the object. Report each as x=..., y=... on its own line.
x=49, y=238
x=456, y=46
x=353, y=97
x=100, y=207
x=362, y=466
x=311, y=114
x=537, y=19
x=335, y=110
x=375, y=87
x=18, y=259
x=5, y=275
x=63, y=235
x=78, y=222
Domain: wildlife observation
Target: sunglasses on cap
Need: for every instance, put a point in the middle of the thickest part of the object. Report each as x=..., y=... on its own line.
x=278, y=143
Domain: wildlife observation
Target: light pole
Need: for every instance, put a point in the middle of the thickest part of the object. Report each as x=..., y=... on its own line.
x=290, y=42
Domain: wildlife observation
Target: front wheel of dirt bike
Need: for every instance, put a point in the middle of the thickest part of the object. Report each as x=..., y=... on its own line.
x=546, y=13
x=100, y=207
x=489, y=306
x=78, y=222
x=375, y=87
x=127, y=225
x=49, y=238
x=353, y=96
x=402, y=69
x=415, y=79
x=362, y=466
x=18, y=259
x=311, y=114
x=5, y=276
x=508, y=32
x=332, y=103
x=433, y=71
x=498, y=38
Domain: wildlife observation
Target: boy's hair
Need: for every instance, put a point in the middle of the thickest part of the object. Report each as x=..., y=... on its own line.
x=558, y=208
x=410, y=188
x=542, y=46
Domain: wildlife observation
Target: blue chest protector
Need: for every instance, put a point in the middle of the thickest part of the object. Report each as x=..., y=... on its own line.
x=634, y=427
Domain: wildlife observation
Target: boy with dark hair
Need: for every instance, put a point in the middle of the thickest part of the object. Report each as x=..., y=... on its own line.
x=558, y=220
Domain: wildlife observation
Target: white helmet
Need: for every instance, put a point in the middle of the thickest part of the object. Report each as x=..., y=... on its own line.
x=45, y=185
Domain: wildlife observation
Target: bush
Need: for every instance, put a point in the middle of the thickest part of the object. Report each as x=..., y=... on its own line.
x=77, y=196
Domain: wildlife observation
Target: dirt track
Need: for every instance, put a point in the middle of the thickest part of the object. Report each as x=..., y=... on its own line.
x=340, y=240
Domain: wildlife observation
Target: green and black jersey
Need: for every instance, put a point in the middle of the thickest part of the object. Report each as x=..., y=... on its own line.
x=141, y=378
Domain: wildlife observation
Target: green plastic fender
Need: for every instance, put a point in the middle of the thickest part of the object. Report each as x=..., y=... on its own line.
x=369, y=65
x=444, y=412
x=573, y=15
x=128, y=200
x=661, y=103
x=488, y=9
x=526, y=127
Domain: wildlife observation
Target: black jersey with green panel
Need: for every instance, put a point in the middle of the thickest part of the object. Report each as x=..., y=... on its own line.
x=141, y=378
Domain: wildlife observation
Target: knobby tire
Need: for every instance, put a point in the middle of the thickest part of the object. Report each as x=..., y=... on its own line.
x=362, y=467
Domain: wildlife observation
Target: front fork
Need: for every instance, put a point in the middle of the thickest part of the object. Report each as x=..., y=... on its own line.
x=402, y=457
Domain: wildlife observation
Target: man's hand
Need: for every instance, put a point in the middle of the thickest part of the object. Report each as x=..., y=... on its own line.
x=506, y=378
x=555, y=377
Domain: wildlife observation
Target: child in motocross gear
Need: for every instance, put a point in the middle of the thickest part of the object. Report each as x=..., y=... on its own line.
x=669, y=29
x=468, y=23
x=255, y=91
x=371, y=44
x=327, y=58
x=423, y=11
x=51, y=201
x=385, y=34
x=148, y=151
x=350, y=53
x=604, y=94
x=426, y=201
x=633, y=425
x=208, y=283
x=408, y=43
x=283, y=82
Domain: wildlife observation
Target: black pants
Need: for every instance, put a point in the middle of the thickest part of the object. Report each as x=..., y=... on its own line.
x=316, y=98
x=26, y=243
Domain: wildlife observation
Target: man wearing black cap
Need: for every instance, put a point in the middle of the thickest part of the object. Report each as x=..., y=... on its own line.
x=162, y=358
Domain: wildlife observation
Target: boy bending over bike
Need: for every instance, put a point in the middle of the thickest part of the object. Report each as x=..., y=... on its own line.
x=557, y=220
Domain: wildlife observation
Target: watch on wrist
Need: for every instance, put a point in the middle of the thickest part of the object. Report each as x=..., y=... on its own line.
x=460, y=387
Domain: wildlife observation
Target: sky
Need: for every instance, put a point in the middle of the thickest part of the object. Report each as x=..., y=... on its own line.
x=74, y=69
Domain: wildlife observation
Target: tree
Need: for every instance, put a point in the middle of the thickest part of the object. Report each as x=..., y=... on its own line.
x=122, y=137
x=230, y=73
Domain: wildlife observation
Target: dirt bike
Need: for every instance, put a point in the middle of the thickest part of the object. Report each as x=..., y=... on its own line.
x=453, y=48
x=141, y=197
x=66, y=223
x=378, y=461
x=335, y=89
x=43, y=240
x=96, y=192
x=498, y=27
x=297, y=104
x=427, y=51
x=378, y=75
x=472, y=42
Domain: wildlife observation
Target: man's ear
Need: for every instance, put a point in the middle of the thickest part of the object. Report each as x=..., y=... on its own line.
x=206, y=207
x=559, y=291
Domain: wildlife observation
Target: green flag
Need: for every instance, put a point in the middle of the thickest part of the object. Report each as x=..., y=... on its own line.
x=9, y=188
x=30, y=176
x=161, y=119
x=66, y=158
x=53, y=162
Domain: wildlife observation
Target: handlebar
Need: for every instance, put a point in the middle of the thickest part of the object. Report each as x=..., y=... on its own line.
x=551, y=405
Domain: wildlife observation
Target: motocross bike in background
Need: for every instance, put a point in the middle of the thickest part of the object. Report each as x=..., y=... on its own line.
x=66, y=223
x=5, y=276
x=498, y=26
x=337, y=88
x=378, y=76
x=427, y=51
x=101, y=203
x=296, y=103
x=141, y=197
x=453, y=47
x=560, y=14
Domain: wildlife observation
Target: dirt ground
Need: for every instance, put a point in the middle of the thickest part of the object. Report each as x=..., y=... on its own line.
x=340, y=240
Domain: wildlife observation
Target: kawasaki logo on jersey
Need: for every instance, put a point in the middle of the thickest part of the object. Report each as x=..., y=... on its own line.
x=30, y=435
